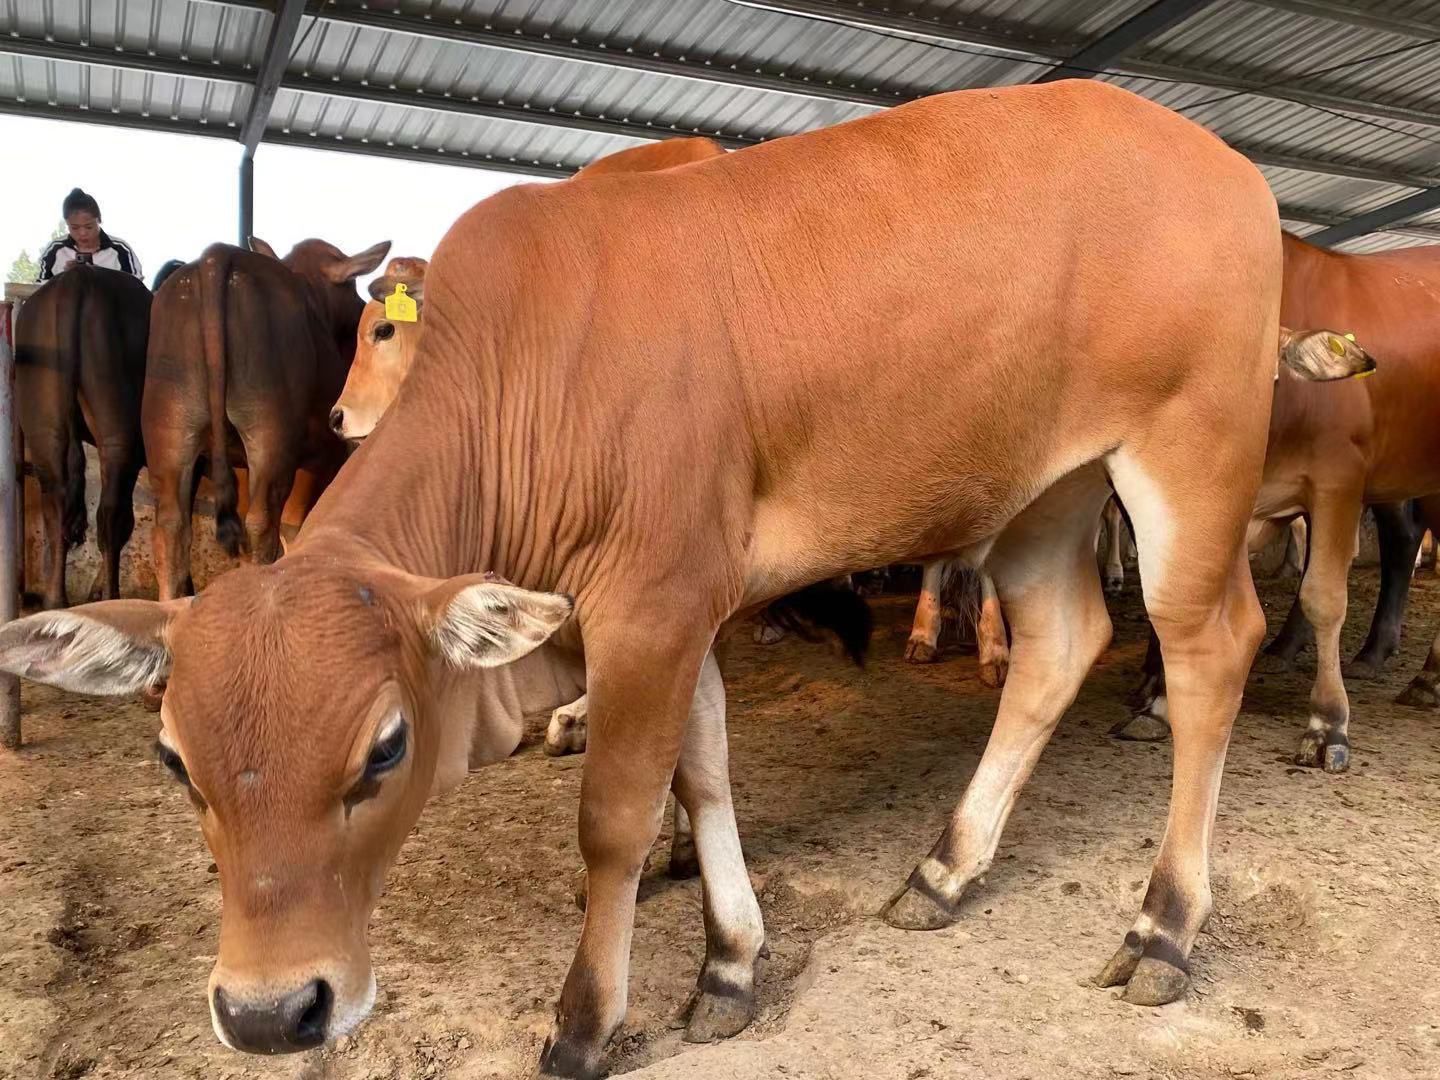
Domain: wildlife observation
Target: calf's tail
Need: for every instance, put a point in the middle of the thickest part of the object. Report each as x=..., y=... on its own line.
x=214, y=273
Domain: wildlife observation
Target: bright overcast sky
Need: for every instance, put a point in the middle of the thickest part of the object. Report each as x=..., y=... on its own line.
x=169, y=196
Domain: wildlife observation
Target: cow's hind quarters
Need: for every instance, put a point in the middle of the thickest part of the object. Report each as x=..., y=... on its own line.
x=1322, y=747
x=918, y=906
x=1152, y=972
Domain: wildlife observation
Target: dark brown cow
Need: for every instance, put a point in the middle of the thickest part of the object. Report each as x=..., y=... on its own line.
x=80, y=372
x=246, y=354
x=641, y=391
x=1335, y=448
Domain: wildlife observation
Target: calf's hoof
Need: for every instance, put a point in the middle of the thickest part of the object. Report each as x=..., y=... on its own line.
x=1323, y=750
x=684, y=863
x=993, y=672
x=717, y=1013
x=1272, y=664
x=1148, y=980
x=1419, y=695
x=1363, y=670
x=765, y=634
x=914, y=909
x=1142, y=727
x=566, y=1060
x=919, y=651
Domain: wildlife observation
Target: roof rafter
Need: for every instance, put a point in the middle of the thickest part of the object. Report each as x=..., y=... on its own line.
x=1110, y=46
x=283, y=25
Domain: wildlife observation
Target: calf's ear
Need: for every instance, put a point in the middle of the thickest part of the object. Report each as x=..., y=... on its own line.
x=477, y=621
x=1323, y=355
x=260, y=247
x=111, y=649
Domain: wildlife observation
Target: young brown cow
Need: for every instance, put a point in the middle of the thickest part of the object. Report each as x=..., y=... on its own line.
x=1334, y=449
x=640, y=391
x=386, y=347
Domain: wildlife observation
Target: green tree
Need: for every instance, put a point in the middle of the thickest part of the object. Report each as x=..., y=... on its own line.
x=24, y=269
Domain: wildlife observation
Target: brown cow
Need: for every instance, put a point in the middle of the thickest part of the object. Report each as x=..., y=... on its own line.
x=246, y=354
x=641, y=391
x=79, y=374
x=1334, y=449
x=386, y=347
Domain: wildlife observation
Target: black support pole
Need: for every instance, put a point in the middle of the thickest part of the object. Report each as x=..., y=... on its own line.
x=247, y=198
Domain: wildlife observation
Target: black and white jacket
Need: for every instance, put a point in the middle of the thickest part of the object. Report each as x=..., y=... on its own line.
x=114, y=254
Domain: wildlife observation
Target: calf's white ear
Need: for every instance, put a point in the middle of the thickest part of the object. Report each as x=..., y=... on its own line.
x=111, y=649
x=478, y=621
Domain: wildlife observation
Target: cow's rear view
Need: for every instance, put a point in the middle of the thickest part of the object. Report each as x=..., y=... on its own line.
x=80, y=372
x=246, y=355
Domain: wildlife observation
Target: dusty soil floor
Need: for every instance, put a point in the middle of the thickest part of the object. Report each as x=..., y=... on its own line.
x=1320, y=960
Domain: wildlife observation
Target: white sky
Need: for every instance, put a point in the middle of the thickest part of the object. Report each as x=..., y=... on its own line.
x=169, y=196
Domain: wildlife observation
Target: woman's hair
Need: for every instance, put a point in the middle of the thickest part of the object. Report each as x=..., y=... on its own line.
x=77, y=201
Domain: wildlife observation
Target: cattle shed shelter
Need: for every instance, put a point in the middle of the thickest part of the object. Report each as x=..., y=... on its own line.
x=1337, y=101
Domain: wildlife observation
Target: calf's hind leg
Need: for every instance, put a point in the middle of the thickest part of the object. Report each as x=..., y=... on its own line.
x=1044, y=570
x=1205, y=613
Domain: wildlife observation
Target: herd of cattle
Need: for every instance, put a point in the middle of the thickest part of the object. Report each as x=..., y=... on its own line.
x=685, y=387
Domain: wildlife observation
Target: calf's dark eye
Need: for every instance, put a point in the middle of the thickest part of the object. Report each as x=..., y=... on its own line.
x=384, y=331
x=387, y=753
x=171, y=760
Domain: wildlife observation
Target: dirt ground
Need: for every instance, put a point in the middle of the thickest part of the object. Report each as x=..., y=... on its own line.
x=1320, y=960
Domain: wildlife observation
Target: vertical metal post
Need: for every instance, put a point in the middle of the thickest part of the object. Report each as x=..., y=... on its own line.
x=11, y=492
x=247, y=198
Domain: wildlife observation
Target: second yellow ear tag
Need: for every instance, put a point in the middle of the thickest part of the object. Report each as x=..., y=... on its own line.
x=399, y=307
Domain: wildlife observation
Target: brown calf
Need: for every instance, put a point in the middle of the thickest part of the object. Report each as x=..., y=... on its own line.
x=386, y=347
x=640, y=391
x=79, y=375
x=1333, y=449
x=247, y=352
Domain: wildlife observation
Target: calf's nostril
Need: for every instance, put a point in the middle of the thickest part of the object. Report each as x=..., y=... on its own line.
x=277, y=1025
x=337, y=420
x=315, y=1019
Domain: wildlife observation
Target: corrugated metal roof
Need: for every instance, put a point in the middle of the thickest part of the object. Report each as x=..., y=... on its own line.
x=1338, y=101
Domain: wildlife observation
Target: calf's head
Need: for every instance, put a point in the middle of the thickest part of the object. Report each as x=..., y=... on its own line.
x=306, y=710
x=384, y=351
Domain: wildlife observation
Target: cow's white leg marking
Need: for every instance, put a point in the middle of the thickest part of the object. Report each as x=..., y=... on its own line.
x=724, y=998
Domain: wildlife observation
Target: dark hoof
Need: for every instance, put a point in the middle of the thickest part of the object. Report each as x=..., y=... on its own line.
x=994, y=672
x=920, y=652
x=684, y=864
x=1362, y=670
x=910, y=909
x=1419, y=695
x=562, y=1058
x=1322, y=750
x=765, y=634
x=710, y=1017
x=1155, y=982
x=1272, y=664
x=582, y=889
x=1141, y=728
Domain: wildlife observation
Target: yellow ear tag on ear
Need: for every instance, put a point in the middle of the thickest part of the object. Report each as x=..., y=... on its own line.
x=1350, y=338
x=399, y=307
x=1337, y=346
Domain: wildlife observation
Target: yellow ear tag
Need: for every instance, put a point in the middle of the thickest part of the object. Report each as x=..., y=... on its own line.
x=399, y=307
x=1350, y=338
x=1337, y=346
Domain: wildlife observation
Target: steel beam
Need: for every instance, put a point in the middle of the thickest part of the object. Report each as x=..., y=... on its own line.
x=1144, y=25
x=283, y=26
x=1347, y=12
x=1379, y=218
x=558, y=171
x=383, y=95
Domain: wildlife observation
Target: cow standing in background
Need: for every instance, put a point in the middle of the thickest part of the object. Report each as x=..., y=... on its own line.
x=247, y=352
x=1332, y=451
x=79, y=375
